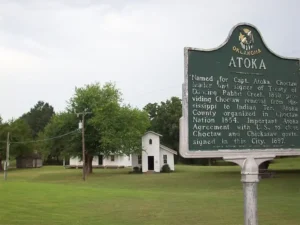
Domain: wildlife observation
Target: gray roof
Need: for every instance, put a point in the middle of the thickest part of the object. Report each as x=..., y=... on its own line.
x=152, y=132
x=168, y=149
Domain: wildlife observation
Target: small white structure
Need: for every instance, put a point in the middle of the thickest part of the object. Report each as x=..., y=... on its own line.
x=101, y=161
x=154, y=154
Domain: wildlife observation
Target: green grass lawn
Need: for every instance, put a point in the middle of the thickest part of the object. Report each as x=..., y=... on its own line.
x=191, y=195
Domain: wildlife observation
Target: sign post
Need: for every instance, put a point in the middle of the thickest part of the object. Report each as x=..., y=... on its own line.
x=241, y=103
x=250, y=168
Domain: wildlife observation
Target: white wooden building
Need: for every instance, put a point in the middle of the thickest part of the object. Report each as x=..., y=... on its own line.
x=155, y=155
x=101, y=161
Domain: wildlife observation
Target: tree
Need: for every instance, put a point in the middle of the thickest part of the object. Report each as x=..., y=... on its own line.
x=112, y=128
x=121, y=134
x=38, y=117
x=20, y=138
x=20, y=133
x=132, y=124
x=165, y=120
x=100, y=100
x=52, y=145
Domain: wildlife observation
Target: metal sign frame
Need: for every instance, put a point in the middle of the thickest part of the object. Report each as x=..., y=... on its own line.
x=220, y=153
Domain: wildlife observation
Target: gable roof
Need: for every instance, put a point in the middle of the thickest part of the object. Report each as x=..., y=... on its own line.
x=168, y=149
x=152, y=132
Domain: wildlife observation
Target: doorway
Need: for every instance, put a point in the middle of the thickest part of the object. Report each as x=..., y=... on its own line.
x=100, y=160
x=150, y=162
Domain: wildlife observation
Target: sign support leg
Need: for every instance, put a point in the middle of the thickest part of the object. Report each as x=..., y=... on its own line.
x=250, y=203
x=250, y=171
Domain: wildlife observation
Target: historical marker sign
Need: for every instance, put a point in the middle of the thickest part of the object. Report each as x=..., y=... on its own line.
x=240, y=97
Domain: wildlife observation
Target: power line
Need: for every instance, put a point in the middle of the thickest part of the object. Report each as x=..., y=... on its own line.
x=46, y=139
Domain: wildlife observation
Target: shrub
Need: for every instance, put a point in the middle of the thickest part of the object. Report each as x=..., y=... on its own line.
x=165, y=168
x=136, y=169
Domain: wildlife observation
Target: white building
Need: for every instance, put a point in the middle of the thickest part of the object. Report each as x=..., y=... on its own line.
x=152, y=159
x=101, y=161
x=154, y=155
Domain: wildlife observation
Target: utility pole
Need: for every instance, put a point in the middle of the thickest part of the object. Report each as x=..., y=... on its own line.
x=7, y=157
x=83, y=114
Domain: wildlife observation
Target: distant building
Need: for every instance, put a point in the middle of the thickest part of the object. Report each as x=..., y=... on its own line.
x=33, y=160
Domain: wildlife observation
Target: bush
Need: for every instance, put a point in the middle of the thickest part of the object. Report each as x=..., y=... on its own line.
x=136, y=169
x=165, y=168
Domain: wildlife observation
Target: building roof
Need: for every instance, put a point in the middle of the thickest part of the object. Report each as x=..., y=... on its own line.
x=30, y=156
x=168, y=149
x=152, y=132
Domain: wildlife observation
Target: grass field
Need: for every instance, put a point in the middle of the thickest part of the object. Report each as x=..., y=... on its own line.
x=191, y=195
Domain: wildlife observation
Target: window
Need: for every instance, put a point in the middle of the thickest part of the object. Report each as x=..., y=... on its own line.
x=150, y=141
x=165, y=159
x=139, y=159
x=112, y=158
x=129, y=158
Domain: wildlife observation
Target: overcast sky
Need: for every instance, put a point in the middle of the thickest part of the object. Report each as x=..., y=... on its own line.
x=47, y=47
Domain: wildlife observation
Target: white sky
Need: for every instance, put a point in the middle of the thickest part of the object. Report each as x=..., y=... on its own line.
x=47, y=47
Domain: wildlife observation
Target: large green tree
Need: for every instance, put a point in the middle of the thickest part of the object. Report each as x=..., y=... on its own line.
x=38, y=117
x=112, y=127
x=164, y=118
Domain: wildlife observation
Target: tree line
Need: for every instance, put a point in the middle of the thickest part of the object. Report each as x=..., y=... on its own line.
x=113, y=127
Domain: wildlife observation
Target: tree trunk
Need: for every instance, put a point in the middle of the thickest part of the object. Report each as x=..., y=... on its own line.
x=89, y=166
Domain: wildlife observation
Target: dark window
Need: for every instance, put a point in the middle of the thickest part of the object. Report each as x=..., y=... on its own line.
x=112, y=158
x=150, y=141
x=139, y=159
x=165, y=159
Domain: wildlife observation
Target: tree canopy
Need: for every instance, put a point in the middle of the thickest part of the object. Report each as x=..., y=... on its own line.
x=38, y=117
x=20, y=138
x=52, y=145
x=111, y=128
